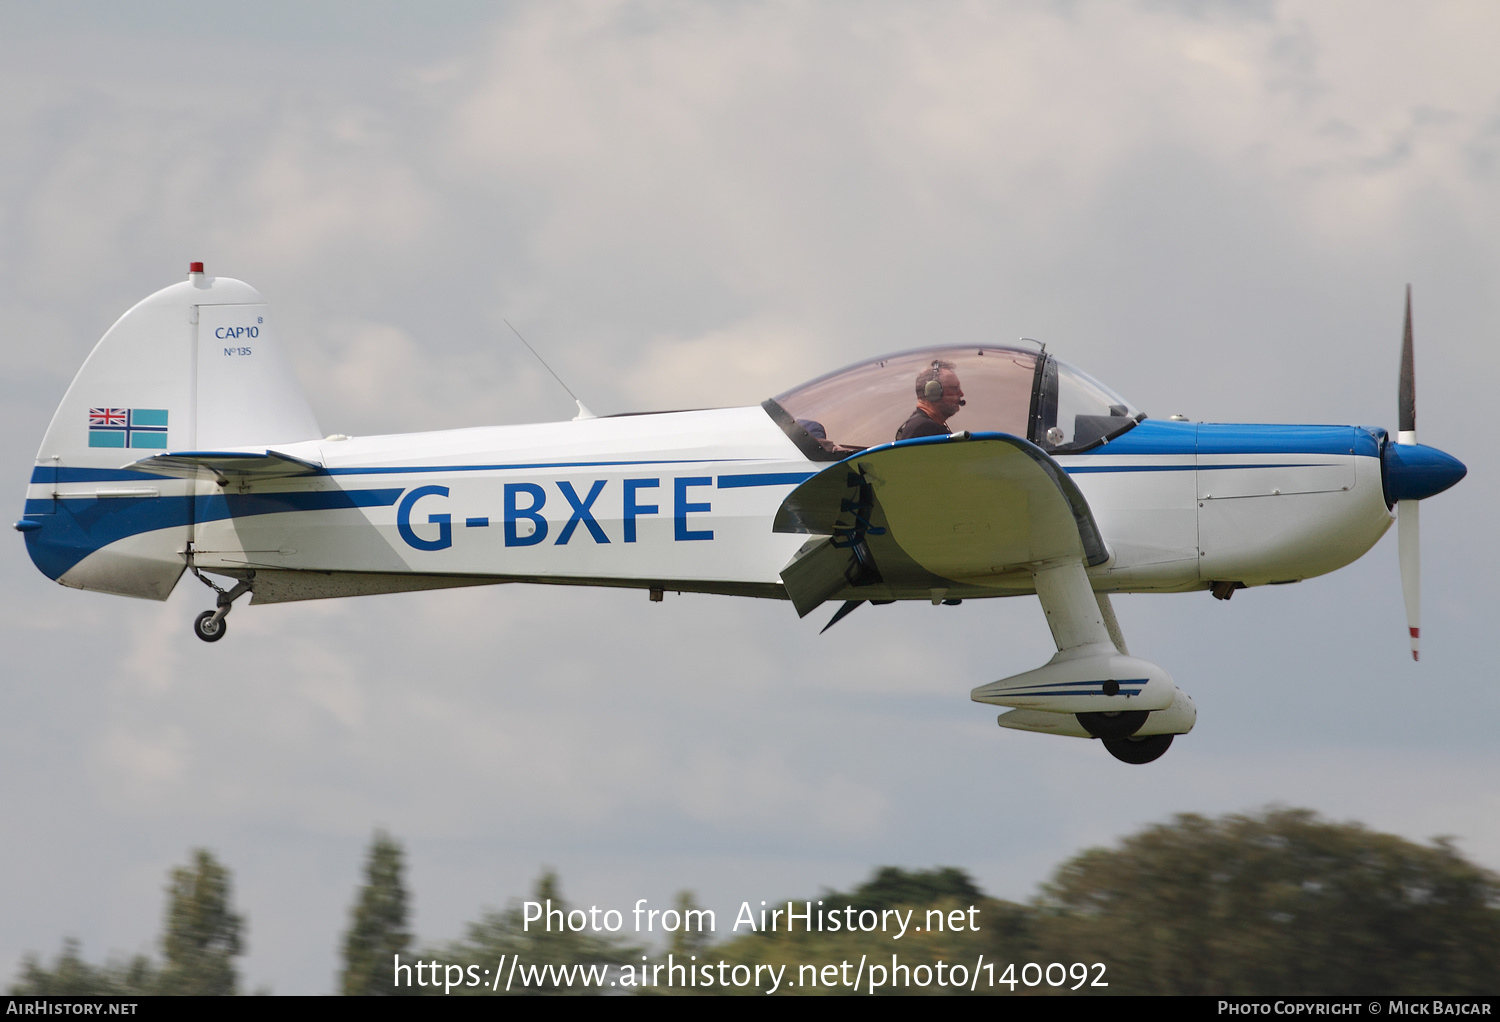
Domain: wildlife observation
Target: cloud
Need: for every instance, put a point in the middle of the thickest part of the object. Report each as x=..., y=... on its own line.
x=748, y=362
x=373, y=378
x=684, y=205
x=321, y=188
x=141, y=770
x=743, y=123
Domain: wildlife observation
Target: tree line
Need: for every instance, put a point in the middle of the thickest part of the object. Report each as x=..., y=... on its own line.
x=1279, y=902
x=200, y=940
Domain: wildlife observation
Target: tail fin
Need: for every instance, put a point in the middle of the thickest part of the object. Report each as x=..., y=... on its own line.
x=193, y=367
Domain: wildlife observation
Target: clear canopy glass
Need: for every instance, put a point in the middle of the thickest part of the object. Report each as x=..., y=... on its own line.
x=978, y=389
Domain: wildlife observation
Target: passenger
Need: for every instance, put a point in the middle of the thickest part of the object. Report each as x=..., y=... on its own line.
x=939, y=397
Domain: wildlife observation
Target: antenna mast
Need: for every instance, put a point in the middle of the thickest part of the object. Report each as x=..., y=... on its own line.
x=583, y=413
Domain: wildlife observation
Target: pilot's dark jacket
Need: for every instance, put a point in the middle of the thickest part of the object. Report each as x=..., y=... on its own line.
x=921, y=424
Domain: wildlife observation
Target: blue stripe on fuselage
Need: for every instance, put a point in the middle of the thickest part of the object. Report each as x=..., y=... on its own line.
x=76, y=526
x=81, y=525
x=1154, y=436
x=1231, y=438
x=401, y=469
x=1083, y=469
x=763, y=479
x=1212, y=439
x=43, y=473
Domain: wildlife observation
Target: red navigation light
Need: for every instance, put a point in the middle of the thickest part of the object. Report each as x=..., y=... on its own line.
x=195, y=267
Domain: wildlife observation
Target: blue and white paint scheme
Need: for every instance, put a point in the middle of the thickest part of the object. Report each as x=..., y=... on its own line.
x=185, y=444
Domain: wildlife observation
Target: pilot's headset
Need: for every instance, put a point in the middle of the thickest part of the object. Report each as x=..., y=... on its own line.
x=932, y=390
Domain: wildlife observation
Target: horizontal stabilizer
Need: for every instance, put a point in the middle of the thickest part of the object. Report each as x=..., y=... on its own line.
x=226, y=465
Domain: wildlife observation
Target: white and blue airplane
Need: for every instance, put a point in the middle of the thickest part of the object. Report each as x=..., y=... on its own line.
x=185, y=444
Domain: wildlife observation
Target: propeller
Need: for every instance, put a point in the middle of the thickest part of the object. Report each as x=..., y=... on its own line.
x=1412, y=472
x=1408, y=534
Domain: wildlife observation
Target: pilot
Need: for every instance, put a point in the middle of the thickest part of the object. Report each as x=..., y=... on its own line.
x=939, y=397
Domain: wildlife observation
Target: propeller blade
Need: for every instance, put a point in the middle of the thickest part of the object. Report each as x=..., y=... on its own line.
x=1408, y=530
x=1406, y=399
x=1409, y=546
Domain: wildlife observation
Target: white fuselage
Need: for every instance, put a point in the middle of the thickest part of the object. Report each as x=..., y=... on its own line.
x=684, y=500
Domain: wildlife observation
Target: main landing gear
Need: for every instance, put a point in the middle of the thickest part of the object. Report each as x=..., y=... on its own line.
x=1138, y=750
x=1117, y=730
x=211, y=626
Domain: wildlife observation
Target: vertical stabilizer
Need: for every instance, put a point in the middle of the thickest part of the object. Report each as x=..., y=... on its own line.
x=195, y=366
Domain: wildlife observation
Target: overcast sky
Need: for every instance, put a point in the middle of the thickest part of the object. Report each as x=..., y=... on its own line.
x=1211, y=207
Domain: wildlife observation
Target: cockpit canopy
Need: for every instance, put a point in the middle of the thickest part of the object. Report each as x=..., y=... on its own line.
x=1005, y=390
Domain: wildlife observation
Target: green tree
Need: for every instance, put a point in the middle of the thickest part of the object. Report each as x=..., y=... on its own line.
x=889, y=886
x=202, y=932
x=926, y=899
x=498, y=937
x=1278, y=903
x=70, y=975
x=377, y=926
x=685, y=942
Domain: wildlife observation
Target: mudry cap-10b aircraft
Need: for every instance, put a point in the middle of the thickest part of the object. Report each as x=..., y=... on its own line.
x=185, y=443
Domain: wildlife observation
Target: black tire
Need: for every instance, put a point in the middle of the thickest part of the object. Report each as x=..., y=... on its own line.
x=1113, y=726
x=201, y=627
x=1138, y=750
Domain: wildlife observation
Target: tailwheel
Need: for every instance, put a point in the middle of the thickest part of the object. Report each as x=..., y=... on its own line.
x=1138, y=750
x=210, y=626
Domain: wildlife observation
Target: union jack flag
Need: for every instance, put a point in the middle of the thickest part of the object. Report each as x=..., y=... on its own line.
x=109, y=418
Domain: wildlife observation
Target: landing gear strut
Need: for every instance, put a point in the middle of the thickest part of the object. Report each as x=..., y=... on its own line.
x=211, y=626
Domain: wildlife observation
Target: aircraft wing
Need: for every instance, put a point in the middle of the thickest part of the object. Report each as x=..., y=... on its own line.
x=934, y=511
x=226, y=465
